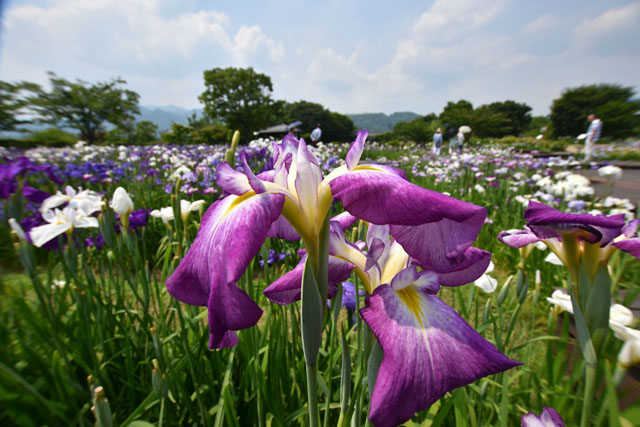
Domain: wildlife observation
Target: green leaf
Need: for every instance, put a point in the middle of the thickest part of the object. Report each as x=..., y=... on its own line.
x=345, y=375
x=373, y=364
x=583, y=334
x=311, y=317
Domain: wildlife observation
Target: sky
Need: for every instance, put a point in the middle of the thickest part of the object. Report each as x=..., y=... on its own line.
x=351, y=56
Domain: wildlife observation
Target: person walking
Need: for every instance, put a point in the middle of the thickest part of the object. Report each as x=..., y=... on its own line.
x=437, y=142
x=593, y=135
x=316, y=134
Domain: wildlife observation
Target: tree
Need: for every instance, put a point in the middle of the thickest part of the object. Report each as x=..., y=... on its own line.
x=519, y=115
x=456, y=114
x=134, y=133
x=335, y=126
x=487, y=123
x=238, y=97
x=614, y=105
x=420, y=129
x=85, y=107
x=13, y=101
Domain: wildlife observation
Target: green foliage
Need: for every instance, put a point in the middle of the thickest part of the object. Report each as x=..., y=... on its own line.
x=456, y=114
x=517, y=114
x=13, y=103
x=238, y=97
x=613, y=104
x=53, y=137
x=418, y=130
x=210, y=134
x=141, y=133
x=85, y=107
x=487, y=123
x=379, y=122
x=335, y=126
x=539, y=126
x=179, y=134
x=496, y=120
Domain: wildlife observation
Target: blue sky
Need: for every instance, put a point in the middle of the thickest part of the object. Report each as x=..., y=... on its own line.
x=350, y=56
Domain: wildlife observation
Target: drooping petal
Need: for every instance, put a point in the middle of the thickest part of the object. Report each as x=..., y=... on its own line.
x=385, y=198
x=230, y=180
x=254, y=182
x=470, y=266
x=44, y=233
x=287, y=288
x=547, y=222
x=345, y=219
x=355, y=151
x=281, y=229
x=428, y=350
x=631, y=228
x=518, y=238
x=231, y=234
x=34, y=195
x=631, y=246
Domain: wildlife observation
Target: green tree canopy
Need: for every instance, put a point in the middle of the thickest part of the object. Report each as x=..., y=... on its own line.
x=518, y=115
x=335, y=126
x=84, y=106
x=13, y=101
x=238, y=97
x=613, y=104
x=134, y=133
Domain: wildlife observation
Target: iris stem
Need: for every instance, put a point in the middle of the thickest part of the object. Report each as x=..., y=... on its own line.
x=585, y=421
x=312, y=394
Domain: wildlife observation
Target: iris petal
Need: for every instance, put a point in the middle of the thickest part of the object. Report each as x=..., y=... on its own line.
x=428, y=350
x=287, y=288
x=231, y=234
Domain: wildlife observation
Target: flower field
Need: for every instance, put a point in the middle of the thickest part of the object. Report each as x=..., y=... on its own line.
x=341, y=284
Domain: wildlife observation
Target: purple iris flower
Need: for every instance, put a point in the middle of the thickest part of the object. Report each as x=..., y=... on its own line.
x=549, y=417
x=574, y=237
x=428, y=348
x=292, y=201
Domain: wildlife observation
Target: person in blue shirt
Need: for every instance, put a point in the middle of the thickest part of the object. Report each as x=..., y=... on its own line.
x=437, y=142
x=316, y=134
x=593, y=134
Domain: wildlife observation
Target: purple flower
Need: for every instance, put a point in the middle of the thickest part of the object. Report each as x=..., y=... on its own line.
x=575, y=237
x=428, y=348
x=292, y=201
x=548, y=418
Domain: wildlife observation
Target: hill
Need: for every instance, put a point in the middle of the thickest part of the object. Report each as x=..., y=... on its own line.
x=163, y=117
x=380, y=122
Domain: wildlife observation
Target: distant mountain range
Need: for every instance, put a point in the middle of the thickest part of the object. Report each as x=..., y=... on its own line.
x=380, y=122
x=163, y=117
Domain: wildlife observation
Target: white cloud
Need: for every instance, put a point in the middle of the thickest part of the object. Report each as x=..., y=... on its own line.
x=128, y=37
x=541, y=24
x=615, y=29
x=449, y=19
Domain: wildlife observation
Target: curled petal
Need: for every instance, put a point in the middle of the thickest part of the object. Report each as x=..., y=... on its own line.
x=281, y=229
x=470, y=266
x=345, y=219
x=518, y=238
x=631, y=246
x=631, y=228
x=428, y=350
x=547, y=222
x=231, y=181
x=231, y=234
x=355, y=151
x=286, y=289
